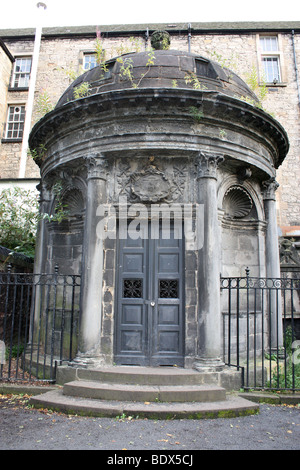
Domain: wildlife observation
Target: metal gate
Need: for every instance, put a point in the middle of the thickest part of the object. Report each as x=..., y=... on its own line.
x=150, y=285
x=261, y=331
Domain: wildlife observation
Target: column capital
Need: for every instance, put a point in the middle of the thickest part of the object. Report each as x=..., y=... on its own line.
x=96, y=166
x=269, y=188
x=207, y=164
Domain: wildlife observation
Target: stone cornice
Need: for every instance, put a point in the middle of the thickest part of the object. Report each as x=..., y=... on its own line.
x=239, y=115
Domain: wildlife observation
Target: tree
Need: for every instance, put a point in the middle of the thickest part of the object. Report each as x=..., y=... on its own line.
x=18, y=218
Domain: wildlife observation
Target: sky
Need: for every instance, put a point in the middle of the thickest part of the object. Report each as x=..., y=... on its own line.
x=25, y=14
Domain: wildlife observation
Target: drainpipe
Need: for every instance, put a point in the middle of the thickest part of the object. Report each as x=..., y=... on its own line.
x=296, y=67
x=30, y=100
x=146, y=38
x=189, y=37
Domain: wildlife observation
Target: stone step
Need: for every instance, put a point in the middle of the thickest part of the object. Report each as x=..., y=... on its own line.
x=151, y=393
x=149, y=376
x=233, y=406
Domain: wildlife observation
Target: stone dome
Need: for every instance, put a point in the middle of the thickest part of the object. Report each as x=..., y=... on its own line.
x=160, y=69
x=172, y=102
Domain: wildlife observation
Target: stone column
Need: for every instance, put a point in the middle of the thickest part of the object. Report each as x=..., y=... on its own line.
x=40, y=258
x=41, y=247
x=273, y=261
x=209, y=311
x=92, y=265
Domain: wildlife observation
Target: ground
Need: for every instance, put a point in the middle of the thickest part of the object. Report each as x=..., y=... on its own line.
x=22, y=427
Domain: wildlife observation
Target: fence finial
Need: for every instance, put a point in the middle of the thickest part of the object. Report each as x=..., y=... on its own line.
x=247, y=271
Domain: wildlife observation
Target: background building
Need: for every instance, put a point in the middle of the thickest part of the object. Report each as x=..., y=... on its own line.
x=263, y=53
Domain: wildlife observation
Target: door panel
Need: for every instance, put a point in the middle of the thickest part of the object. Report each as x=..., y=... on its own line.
x=150, y=284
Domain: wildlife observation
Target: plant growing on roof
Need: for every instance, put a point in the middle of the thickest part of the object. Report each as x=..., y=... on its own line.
x=197, y=114
x=191, y=78
x=82, y=90
x=100, y=52
x=126, y=68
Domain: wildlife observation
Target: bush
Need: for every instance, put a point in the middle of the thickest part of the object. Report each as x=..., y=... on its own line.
x=19, y=217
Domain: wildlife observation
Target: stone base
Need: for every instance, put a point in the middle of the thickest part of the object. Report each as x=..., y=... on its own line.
x=82, y=361
x=147, y=392
x=229, y=378
x=208, y=365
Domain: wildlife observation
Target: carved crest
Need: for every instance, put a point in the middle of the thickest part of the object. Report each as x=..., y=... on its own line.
x=150, y=183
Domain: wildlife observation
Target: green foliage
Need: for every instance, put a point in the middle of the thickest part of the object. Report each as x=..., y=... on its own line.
x=72, y=74
x=14, y=352
x=135, y=45
x=38, y=153
x=259, y=88
x=191, y=78
x=230, y=63
x=82, y=90
x=19, y=217
x=126, y=68
x=160, y=40
x=196, y=113
x=61, y=212
x=100, y=53
x=282, y=377
x=43, y=104
x=222, y=134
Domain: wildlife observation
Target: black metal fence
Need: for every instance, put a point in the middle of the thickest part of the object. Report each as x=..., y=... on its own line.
x=261, y=330
x=39, y=323
x=39, y=315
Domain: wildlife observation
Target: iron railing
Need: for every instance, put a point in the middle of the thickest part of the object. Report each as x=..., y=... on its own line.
x=39, y=322
x=261, y=330
x=39, y=316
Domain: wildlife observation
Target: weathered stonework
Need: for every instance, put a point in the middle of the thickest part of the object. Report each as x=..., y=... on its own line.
x=62, y=52
x=144, y=148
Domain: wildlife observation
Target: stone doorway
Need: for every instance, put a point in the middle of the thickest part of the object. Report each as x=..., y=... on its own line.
x=149, y=323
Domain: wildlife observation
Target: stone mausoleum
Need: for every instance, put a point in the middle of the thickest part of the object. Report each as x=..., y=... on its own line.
x=166, y=167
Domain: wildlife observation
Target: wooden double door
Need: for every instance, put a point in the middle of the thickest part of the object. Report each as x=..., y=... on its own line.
x=149, y=327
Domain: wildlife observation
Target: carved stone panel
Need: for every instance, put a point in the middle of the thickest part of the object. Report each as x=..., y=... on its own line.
x=150, y=186
x=149, y=182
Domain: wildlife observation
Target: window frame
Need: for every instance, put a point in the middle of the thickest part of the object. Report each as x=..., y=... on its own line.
x=88, y=54
x=10, y=120
x=274, y=55
x=17, y=74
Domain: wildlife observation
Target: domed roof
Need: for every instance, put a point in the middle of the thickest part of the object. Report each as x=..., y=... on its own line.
x=158, y=69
